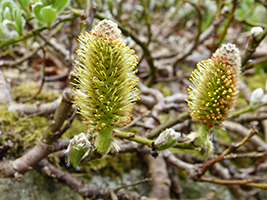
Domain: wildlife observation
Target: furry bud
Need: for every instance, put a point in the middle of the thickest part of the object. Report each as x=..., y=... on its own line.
x=166, y=139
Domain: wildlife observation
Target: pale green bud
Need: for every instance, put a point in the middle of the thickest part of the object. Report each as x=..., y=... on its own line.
x=166, y=139
x=264, y=99
x=201, y=139
x=78, y=149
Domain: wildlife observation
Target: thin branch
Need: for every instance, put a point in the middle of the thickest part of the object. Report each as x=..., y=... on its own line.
x=42, y=81
x=191, y=47
x=225, y=182
x=229, y=21
x=36, y=31
x=233, y=147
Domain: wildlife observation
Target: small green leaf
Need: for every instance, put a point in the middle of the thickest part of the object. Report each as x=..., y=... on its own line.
x=44, y=2
x=37, y=11
x=7, y=14
x=10, y=23
x=48, y=14
x=19, y=20
x=25, y=4
x=7, y=3
x=75, y=156
x=59, y=5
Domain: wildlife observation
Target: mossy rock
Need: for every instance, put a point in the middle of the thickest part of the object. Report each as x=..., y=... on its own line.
x=35, y=186
x=23, y=133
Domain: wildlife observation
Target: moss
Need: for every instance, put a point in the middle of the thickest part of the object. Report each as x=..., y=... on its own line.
x=240, y=101
x=22, y=132
x=113, y=166
x=164, y=88
x=77, y=127
x=223, y=135
x=255, y=81
x=29, y=89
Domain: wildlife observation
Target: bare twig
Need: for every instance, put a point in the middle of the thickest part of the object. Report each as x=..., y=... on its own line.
x=244, y=132
x=192, y=46
x=42, y=80
x=229, y=21
x=233, y=146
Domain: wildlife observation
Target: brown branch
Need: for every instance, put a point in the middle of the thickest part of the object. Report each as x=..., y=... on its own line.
x=192, y=170
x=223, y=173
x=36, y=108
x=233, y=147
x=229, y=21
x=160, y=179
x=243, y=132
x=225, y=182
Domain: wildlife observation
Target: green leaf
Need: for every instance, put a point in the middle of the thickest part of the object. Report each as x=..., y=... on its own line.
x=10, y=23
x=7, y=3
x=7, y=14
x=19, y=20
x=110, y=5
x=44, y=2
x=59, y=5
x=37, y=11
x=48, y=14
x=25, y=4
x=75, y=156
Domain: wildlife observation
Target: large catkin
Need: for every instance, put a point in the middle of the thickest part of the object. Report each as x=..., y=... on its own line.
x=106, y=85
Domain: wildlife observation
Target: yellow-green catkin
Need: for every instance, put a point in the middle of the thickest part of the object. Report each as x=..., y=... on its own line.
x=214, y=92
x=215, y=86
x=106, y=85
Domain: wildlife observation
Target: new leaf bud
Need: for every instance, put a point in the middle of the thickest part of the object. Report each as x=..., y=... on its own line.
x=79, y=147
x=166, y=139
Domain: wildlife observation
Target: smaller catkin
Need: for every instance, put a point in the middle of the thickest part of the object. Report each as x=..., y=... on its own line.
x=215, y=86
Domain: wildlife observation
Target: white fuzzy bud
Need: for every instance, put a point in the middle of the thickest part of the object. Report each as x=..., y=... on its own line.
x=257, y=32
x=264, y=99
x=166, y=139
x=78, y=149
x=256, y=97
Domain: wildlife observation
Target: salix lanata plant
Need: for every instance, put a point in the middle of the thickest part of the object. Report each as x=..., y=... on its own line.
x=214, y=92
x=106, y=85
